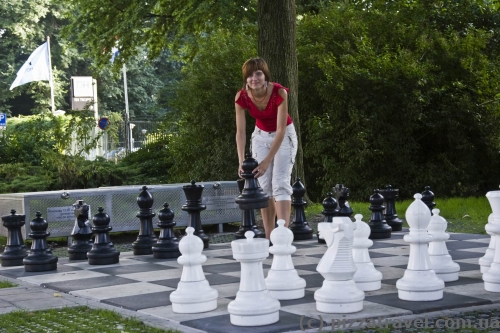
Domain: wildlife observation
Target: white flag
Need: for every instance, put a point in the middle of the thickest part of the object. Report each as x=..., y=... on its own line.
x=36, y=68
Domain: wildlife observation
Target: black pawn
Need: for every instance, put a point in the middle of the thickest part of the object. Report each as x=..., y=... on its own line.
x=428, y=198
x=247, y=218
x=168, y=245
x=378, y=225
x=300, y=228
x=15, y=250
x=82, y=232
x=329, y=211
x=342, y=194
x=146, y=238
x=103, y=251
x=390, y=195
x=194, y=207
x=40, y=257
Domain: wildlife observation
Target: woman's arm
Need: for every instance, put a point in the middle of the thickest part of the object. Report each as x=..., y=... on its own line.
x=241, y=136
x=280, y=134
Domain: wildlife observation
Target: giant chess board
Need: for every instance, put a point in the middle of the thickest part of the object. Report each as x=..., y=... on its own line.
x=143, y=284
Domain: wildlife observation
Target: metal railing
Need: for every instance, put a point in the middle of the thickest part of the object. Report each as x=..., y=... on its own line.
x=120, y=203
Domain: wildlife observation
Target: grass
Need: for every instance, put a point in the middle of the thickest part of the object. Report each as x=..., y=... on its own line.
x=465, y=215
x=7, y=284
x=80, y=319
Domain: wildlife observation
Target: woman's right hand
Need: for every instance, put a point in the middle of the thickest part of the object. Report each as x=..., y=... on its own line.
x=240, y=171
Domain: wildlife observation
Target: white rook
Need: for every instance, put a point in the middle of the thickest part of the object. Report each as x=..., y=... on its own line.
x=254, y=305
x=367, y=277
x=420, y=282
x=193, y=294
x=282, y=268
x=441, y=262
x=491, y=277
x=339, y=293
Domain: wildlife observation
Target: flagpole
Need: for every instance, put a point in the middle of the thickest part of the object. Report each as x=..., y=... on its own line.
x=128, y=147
x=51, y=78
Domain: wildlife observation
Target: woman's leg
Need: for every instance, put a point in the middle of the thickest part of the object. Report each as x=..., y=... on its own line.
x=283, y=210
x=268, y=218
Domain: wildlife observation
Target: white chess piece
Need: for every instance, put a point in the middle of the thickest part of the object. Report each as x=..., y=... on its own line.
x=491, y=277
x=420, y=282
x=282, y=268
x=367, y=278
x=441, y=262
x=254, y=305
x=339, y=293
x=486, y=260
x=193, y=294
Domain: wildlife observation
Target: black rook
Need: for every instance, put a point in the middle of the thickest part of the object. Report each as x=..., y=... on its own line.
x=390, y=195
x=194, y=207
x=15, y=250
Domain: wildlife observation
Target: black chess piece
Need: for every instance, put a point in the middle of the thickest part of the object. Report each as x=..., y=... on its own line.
x=428, y=198
x=329, y=211
x=390, y=195
x=143, y=245
x=342, y=194
x=82, y=232
x=247, y=218
x=378, y=225
x=40, y=257
x=15, y=250
x=168, y=245
x=300, y=228
x=194, y=207
x=103, y=251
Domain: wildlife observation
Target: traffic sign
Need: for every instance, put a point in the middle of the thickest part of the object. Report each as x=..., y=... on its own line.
x=3, y=120
x=103, y=123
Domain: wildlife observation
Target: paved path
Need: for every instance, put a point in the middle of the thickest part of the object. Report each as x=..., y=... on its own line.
x=140, y=286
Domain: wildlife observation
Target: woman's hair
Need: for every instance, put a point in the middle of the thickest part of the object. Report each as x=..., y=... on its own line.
x=252, y=65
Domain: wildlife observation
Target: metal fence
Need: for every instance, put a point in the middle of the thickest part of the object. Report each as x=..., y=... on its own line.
x=120, y=203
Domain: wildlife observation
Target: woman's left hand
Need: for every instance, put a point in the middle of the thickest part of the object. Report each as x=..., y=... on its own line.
x=260, y=169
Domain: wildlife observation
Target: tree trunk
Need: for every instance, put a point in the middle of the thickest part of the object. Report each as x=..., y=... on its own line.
x=277, y=45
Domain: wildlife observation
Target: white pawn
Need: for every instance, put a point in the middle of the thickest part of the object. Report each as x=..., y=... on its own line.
x=193, y=294
x=367, y=278
x=254, y=305
x=339, y=293
x=486, y=260
x=441, y=262
x=282, y=268
x=420, y=282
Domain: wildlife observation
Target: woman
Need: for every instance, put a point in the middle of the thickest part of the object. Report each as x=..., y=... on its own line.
x=274, y=141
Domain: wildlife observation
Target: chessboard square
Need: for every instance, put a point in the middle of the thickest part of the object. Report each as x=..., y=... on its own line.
x=381, y=255
x=307, y=267
x=449, y=301
x=458, y=236
x=226, y=268
x=130, y=289
x=313, y=280
x=462, y=280
x=57, y=277
x=398, y=262
x=370, y=310
x=389, y=272
x=166, y=312
x=19, y=271
x=308, y=298
x=143, y=301
x=222, y=324
x=302, y=260
x=460, y=245
x=230, y=257
x=213, y=280
x=96, y=282
x=85, y=264
x=304, y=245
x=459, y=255
x=227, y=290
x=380, y=245
x=148, y=276
x=120, y=270
x=474, y=290
x=464, y=266
x=151, y=259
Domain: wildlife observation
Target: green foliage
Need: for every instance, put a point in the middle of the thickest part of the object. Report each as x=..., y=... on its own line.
x=203, y=145
x=403, y=105
x=7, y=284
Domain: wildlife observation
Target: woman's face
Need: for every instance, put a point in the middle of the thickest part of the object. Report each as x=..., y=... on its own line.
x=256, y=80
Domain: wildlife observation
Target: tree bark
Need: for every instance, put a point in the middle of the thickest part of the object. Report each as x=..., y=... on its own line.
x=277, y=45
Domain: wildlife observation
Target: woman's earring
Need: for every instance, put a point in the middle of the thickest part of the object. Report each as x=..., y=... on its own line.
x=247, y=87
x=265, y=84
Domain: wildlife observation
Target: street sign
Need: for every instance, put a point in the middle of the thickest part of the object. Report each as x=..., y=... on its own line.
x=103, y=123
x=3, y=120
